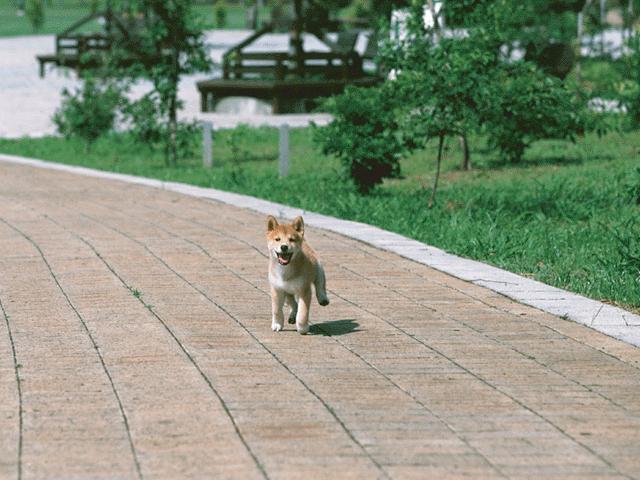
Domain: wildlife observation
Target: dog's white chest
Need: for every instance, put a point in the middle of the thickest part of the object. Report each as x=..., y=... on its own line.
x=279, y=281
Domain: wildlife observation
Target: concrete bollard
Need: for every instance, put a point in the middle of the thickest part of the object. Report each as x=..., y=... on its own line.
x=284, y=150
x=207, y=157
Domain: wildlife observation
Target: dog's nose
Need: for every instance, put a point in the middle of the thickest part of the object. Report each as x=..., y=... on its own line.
x=284, y=248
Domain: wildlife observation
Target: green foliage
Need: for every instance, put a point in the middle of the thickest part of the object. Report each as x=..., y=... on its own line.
x=629, y=90
x=633, y=187
x=146, y=126
x=143, y=116
x=220, y=13
x=34, y=10
x=457, y=85
x=528, y=106
x=363, y=135
x=168, y=44
x=89, y=111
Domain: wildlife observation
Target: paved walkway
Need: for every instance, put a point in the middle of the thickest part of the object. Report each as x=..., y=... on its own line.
x=135, y=342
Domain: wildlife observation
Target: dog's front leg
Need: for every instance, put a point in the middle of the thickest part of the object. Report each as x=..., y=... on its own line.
x=277, y=302
x=302, y=318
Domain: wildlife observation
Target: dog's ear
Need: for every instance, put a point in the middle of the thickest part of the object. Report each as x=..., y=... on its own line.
x=271, y=223
x=298, y=225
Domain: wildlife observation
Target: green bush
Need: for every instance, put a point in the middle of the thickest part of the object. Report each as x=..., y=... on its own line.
x=89, y=111
x=630, y=89
x=529, y=106
x=146, y=126
x=363, y=135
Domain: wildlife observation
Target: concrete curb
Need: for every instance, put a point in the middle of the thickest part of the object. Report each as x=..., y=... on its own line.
x=612, y=321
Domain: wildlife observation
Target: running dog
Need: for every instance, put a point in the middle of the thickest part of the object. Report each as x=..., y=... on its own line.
x=293, y=268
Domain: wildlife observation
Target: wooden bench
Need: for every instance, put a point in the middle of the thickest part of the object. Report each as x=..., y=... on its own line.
x=286, y=95
x=43, y=60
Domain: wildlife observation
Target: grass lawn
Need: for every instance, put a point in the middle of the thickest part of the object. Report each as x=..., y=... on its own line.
x=60, y=14
x=567, y=216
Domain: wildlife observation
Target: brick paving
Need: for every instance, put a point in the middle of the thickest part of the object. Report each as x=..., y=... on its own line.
x=135, y=342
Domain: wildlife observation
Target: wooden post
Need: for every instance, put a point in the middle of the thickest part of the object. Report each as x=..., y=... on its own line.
x=207, y=157
x=284, y=150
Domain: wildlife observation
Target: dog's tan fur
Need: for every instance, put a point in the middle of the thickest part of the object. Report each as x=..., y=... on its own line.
x=293, y=268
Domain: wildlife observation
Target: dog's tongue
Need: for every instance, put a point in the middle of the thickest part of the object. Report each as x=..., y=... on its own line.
x=283, y=261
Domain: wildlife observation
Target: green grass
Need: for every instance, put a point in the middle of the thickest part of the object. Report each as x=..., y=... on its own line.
x=60, y=14
x=568, y=215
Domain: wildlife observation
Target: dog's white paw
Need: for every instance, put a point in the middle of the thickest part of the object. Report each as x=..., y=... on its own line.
x=276, y=327
x=303, y=329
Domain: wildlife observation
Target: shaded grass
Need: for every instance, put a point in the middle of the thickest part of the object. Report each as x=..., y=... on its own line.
x=567, y=216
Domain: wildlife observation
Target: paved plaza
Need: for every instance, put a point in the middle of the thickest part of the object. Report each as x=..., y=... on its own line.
x=135, y=342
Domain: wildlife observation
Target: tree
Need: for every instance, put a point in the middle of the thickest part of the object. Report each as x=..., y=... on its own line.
x=447, y=83
x=451, y=85
x=164, y=42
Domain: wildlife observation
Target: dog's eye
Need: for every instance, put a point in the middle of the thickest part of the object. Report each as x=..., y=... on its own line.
x=291, y=239
x=278, y=239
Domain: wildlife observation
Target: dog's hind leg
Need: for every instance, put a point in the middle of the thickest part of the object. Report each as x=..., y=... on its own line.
x=293, y=305
x=321, y=287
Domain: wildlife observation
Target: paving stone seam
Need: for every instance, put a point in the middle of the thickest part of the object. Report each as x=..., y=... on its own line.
x=612, y=321
x=492, y=340
x=490, y=385
x=171, y=333
x=462, y=292
x=327, y=333
x=123, y=413
x=441, y=315
x=435, y=350
x=16, y=367
x=257, y=340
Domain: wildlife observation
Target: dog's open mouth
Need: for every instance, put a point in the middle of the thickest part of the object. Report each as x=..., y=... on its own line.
x=284, y=257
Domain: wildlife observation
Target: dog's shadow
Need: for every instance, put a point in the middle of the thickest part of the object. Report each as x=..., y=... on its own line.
x=335, y=328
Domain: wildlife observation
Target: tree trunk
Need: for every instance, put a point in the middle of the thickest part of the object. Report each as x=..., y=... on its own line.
x=432, y=199
x=466, y=155
x=172, y=158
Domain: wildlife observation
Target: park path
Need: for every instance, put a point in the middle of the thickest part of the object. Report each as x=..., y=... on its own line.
x=135, y=342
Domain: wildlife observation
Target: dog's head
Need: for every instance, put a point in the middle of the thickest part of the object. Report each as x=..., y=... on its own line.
x=285, y=241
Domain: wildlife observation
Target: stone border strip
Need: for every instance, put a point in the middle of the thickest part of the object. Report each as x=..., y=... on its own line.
x=610, y=320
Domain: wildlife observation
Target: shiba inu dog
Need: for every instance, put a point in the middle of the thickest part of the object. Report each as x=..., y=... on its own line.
x=293, y=268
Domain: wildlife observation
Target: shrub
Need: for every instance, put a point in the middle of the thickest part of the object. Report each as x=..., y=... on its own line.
x=528, y=106
x=143, y=117
x=147, y=128
x=363, y=135
x=629, y=90
x=89, y=111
